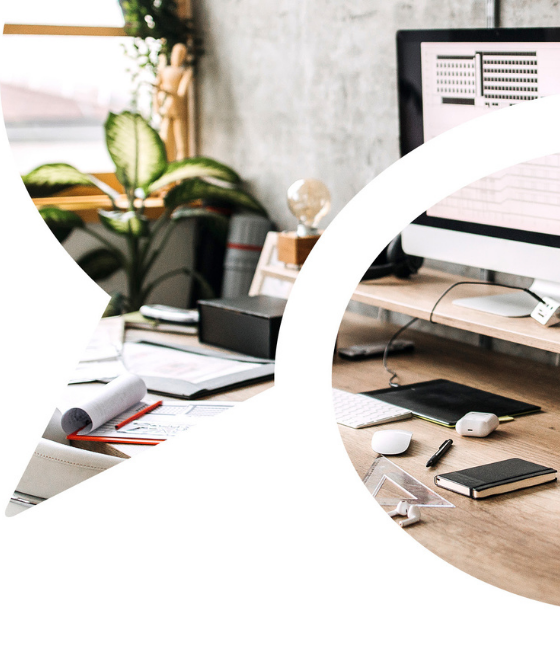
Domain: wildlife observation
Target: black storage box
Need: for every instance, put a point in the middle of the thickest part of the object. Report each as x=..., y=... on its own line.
x=248, y=324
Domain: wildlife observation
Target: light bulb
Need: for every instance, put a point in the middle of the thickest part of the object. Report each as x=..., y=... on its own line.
x=309, y=200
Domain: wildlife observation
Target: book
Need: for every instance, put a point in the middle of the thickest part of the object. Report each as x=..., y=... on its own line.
x=445, y=402
x=191, y=371
x=136, y=321
x=118, y=414
x=496, y=478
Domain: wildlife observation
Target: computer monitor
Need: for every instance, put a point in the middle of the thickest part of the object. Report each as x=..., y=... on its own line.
x=509, y=221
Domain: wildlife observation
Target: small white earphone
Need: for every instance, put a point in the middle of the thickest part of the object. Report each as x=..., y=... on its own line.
x=413, y=515
x=404, y=508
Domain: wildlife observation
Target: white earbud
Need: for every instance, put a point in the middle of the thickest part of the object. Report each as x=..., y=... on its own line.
x=402, y=509
x=413, y=516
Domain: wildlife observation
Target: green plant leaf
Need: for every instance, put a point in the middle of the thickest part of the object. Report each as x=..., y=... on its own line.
x=194, y=167
x=184, y=213
x=100, y=263
x=61, y=222
x=52, y=178
x=124, y=223
x=191, y=190
x=136, y=149
x=213, y=221
x=105, y=188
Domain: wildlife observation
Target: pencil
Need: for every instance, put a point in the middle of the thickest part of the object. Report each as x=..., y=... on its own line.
x=146, y=410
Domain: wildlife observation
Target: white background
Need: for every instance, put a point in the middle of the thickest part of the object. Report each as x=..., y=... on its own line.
x=254, y=535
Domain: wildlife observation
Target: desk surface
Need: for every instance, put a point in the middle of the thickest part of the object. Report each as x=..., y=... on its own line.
x=511, y=541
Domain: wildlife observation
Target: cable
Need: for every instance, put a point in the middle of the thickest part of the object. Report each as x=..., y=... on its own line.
x=386, y=351
x=492, y=284
x=393, y=374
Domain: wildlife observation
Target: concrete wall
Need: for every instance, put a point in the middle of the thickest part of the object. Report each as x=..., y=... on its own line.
x=307, y=88
x=296, y=88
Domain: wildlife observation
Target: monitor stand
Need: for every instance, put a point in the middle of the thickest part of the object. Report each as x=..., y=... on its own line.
x=513, y=305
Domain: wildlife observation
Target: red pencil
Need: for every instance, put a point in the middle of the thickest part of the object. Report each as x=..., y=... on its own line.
x=146, y=410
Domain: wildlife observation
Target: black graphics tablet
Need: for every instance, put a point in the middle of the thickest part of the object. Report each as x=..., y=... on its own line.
x=445, y=402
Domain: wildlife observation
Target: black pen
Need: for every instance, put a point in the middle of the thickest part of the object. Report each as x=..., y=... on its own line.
x=445, y=446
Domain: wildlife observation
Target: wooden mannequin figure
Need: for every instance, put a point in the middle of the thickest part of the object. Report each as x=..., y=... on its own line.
x=170, y=102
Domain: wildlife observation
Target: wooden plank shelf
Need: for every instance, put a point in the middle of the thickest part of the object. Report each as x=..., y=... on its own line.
x=87, y=205
x=416, y=296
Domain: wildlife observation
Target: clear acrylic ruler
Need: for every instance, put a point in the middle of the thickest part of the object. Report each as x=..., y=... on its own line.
x=389, y=484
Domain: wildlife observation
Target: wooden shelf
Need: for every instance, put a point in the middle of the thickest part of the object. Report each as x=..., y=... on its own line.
x=86, y=200
x=416, y=297
x=62, y=30
x=87, y=205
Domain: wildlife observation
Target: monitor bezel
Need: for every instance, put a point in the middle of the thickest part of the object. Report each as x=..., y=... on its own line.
x=409, y=45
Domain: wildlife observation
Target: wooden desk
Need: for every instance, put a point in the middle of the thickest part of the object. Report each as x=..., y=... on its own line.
x=511, y=541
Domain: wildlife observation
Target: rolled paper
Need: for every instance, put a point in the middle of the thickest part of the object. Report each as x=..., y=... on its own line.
x=116, y=397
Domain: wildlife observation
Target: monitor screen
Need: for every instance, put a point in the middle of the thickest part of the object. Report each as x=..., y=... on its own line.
x=447, y=77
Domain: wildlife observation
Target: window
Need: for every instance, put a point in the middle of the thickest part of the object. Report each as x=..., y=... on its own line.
x=62, y=69
x=101, y=13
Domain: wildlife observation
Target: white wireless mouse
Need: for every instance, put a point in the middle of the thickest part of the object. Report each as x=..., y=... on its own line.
x=391, y=442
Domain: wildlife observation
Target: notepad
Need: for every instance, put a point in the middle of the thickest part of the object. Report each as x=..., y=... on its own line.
x=445, y=402
x=496, y=478
x=97, y=417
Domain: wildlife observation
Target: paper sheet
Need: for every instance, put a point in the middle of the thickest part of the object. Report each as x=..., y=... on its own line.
x=106, y=341
x=156, y=361
x=171, y=419
x=115, y=398
x=101, y=358
x=97, y=371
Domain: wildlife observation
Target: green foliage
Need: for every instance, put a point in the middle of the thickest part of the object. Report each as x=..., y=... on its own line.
x=156, y=19
x=136, y=150
x=195, y=167
x=142, y=168
x=129, y=223
x=155, y=27
x=60, y=221
x=53, y=178
x=200, y=213
x=49, y=179
x=100, y=263
x=193, y=189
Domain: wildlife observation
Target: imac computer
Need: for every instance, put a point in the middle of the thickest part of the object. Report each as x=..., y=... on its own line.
x=509, y=221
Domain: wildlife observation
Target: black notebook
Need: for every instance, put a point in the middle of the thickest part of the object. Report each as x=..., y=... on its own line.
x=496, y=478
x=445, y=402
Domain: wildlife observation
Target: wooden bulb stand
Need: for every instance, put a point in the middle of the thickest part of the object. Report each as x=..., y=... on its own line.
x=293, y=249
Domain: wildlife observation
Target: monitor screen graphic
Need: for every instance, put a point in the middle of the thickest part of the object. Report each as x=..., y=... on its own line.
x=461, y=81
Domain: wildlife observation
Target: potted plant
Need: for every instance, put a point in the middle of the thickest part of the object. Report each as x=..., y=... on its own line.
x=197, y=188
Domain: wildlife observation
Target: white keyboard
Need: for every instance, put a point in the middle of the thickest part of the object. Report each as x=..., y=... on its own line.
x=358, y=411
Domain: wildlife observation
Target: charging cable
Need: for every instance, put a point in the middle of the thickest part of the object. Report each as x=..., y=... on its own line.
x=397, y=334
